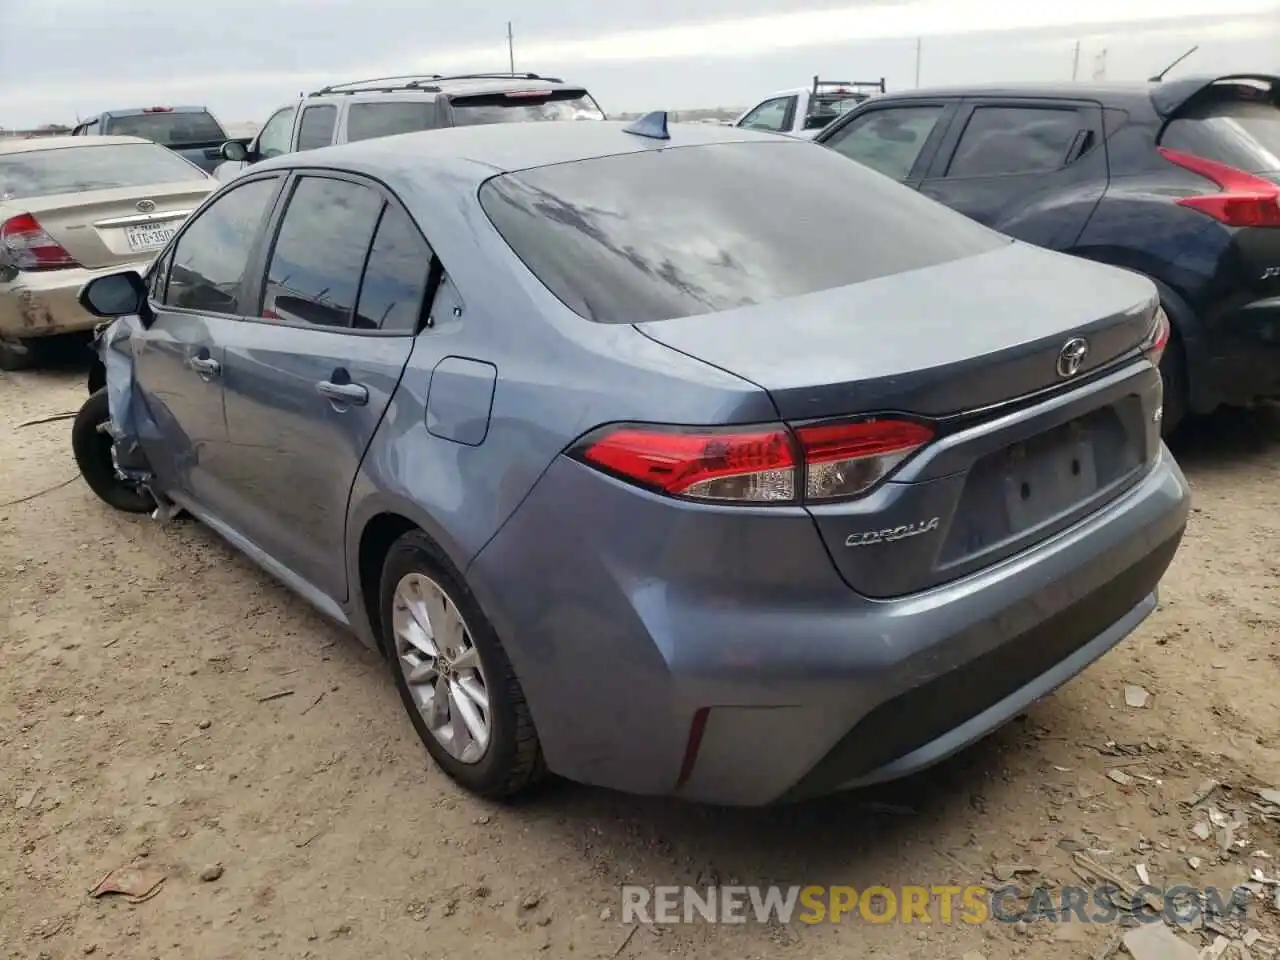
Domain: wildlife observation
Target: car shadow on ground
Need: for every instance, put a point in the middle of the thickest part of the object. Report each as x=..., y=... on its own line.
x=1227, y=437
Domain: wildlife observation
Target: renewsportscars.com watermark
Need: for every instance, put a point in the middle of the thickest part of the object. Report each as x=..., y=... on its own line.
x=926, y=904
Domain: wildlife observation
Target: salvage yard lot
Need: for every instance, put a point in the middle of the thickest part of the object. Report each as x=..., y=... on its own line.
x=162, y=699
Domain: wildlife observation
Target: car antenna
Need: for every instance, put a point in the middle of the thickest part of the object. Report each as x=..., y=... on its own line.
x=1159, y=77
x=652, y=125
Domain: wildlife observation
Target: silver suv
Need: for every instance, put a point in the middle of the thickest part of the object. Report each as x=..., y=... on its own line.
x=384, y=106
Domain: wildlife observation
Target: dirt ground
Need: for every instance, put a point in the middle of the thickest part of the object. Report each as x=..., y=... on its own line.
x=137, y=664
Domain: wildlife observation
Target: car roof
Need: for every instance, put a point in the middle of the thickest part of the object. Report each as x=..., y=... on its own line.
x=1165, y=98
x=11, y=145
x=434, y=84
x=477, y=152
x=138, y=111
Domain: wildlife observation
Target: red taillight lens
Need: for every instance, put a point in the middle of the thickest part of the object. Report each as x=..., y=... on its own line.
x=1158, y=338
x=844, y=460
x=754, y=466
x=30, y=248
x=1245, y=200
x=768, y=464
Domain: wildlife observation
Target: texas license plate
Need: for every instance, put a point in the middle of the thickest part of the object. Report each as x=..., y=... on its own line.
x=144, y=239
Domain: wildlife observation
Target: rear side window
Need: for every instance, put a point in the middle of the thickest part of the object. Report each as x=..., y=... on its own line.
x=319, y=253
x=888, y=140
x=171, y=128
x=316, y=129
x=368, y=120
x=517, y=106
x=396, y=278
x=47, y=173
x=1002, y=140
x=673, y=233
x=1242, y=133
x=211, y=256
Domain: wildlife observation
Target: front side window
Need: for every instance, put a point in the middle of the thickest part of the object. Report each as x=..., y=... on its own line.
x=660, y=234
x=212, y=255
x=316, y=129
x=94, y=166
x=1004, y=140
x=366, y=121
x=324, y=237
x=888, y=140
x=772, y=115
x=396, y=278
x=276, y=133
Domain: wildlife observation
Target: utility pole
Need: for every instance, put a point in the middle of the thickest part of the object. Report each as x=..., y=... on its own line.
x=1075, y=63
x=511, y=48
x=919, y=44
x=1100, y=66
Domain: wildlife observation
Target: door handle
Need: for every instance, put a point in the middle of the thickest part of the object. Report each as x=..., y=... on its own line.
x=344, y=393
x=205, y=366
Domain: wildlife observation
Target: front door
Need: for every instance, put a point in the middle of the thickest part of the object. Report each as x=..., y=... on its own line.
x=308, y=380
x=1034, y=169
x=195, y=291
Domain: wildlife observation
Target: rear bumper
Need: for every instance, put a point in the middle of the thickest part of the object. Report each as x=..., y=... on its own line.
x=44, y=304
x=641, y=622
x=1243, y=362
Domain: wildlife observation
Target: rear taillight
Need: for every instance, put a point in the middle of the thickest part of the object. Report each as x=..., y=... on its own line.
x=764, y=465
x=1157, y=337
x=29, y=248
x=848, y=459
x=1243, y=200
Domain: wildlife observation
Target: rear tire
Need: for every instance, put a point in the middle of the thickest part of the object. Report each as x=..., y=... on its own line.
x=511, y=760
x=92, y=448
x=1173, y=370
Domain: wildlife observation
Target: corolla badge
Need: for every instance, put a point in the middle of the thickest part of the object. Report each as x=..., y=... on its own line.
x=1071, y=356
x=146, y=206
x=889, y=534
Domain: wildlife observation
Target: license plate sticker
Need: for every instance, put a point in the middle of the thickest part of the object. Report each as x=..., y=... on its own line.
x=143, y=239
x=1040, y=486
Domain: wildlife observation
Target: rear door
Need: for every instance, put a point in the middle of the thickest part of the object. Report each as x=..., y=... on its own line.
x=898, y=139
x=1034, y=169
x=309, y=378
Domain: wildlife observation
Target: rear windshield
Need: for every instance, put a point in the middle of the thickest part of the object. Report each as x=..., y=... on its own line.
x=672, y=233
x=170, y=129
x=1238, y=126
x=518, y=106
x=368, y=120
x=47, y=173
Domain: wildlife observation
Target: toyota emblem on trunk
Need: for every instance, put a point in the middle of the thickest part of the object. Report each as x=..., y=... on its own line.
x=146, y=206
x=1071, y=356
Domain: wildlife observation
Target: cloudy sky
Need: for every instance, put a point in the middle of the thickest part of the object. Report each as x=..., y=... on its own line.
x=60, y=58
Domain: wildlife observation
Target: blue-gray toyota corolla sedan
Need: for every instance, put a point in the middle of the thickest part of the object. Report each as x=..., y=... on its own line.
x=687, y=460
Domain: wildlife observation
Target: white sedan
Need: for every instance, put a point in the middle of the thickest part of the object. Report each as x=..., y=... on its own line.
x=71, y=209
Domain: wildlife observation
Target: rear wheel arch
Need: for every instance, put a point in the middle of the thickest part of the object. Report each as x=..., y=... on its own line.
x=376, y=539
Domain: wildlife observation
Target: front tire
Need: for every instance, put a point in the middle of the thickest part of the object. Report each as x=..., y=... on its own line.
x=17, y=354
x=1177, y=395
x=92, y=447
x=454, y=678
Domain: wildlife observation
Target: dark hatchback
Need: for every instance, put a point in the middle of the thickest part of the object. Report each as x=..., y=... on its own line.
x=1179, y=181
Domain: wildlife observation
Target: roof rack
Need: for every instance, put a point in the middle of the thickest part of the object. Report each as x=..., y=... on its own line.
x=419, y=81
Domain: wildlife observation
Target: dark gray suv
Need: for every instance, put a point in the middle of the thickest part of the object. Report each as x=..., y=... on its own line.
x=384, y=106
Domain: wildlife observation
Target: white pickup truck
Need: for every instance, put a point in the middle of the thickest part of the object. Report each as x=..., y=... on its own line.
x=804, y=111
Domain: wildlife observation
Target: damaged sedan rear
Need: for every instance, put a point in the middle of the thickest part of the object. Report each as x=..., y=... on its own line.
x=682, y=460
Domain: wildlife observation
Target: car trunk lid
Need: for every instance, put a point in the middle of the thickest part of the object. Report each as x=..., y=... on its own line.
x=101, y=228
x=910, y=343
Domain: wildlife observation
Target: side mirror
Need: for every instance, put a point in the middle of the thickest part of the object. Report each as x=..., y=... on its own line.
x=115, y=295
x=237, y=151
